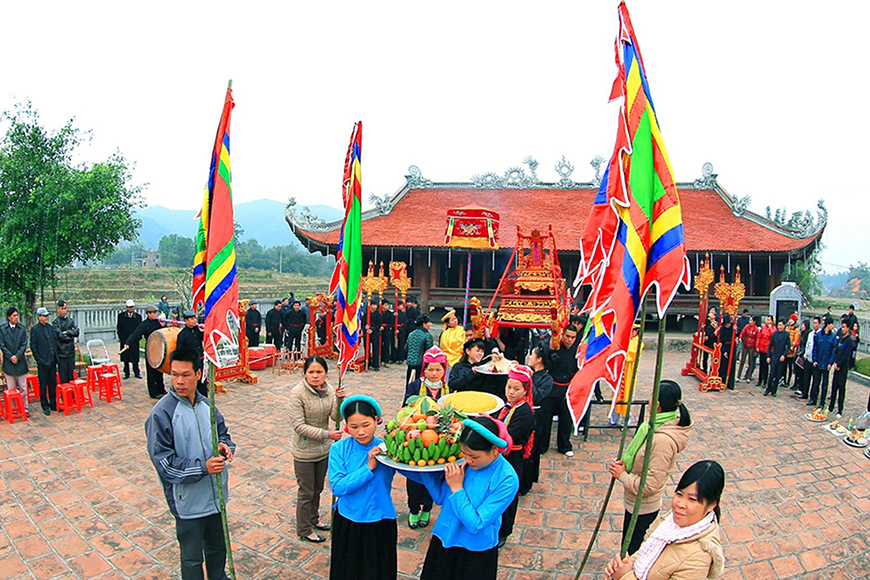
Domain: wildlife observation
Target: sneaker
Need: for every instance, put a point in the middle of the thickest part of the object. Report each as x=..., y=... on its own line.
x=424, y=519
x=811, y=403
x=413, y=521
x=569, y=454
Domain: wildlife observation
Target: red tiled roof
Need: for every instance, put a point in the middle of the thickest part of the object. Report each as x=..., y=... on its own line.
x=418, y=219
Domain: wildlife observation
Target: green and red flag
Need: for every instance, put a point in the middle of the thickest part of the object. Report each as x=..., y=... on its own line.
x=634, y=239
x=215, y=283
x=347, y=276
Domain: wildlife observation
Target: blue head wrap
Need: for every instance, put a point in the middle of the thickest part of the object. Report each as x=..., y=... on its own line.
x=363, y=398
x=485, y=433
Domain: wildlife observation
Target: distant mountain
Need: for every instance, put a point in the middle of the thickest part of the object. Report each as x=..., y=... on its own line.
x=262, y=220
x=833, y=282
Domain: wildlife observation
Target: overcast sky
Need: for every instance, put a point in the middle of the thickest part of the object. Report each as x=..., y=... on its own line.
x=769, y=92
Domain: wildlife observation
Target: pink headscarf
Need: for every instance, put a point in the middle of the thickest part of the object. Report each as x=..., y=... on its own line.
x=434, y=355
x=503, y=434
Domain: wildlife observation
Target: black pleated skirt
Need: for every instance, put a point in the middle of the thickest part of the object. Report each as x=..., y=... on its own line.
x=363, y=551
x=453, y=563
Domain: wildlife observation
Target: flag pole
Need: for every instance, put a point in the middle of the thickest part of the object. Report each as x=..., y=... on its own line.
x=653, y=411
x=630, y=398
x=219, y=476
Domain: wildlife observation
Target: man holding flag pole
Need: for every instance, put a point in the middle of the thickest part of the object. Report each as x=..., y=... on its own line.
x=178, y=439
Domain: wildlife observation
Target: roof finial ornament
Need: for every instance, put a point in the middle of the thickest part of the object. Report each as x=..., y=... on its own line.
x=708, y=178
x=415, y=178
x=596, y=164
x=565, y=168
x=382, y=204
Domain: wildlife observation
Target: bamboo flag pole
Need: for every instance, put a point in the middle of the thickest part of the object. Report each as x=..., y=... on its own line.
x=219, y=476
x=629, y=399
x=649, y=438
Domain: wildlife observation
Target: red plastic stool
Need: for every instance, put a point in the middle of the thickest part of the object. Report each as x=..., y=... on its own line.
x=83, y=393
x=15, y=408
x=2, y=407
x=92, y=376
x=32, y=388
x=66, y=399
x=110, y=386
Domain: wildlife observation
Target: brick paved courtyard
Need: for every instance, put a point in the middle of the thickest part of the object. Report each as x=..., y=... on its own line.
x=82, y=500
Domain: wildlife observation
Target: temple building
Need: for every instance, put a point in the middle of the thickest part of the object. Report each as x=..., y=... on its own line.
x=410, y=224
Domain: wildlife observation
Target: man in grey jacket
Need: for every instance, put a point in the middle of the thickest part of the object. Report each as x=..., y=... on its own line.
x=179, y=444
x=66, y=331
x=13, y=343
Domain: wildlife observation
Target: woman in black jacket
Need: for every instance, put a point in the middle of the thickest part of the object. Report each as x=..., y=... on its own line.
x=462, y=375
x=542, y=384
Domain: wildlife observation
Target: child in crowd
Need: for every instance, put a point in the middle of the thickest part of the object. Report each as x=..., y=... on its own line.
x=432, y=385
x=473, y=496
x=364, y=525
x=519, y=418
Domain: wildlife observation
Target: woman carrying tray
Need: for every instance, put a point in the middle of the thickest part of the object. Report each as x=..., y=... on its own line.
x=519, y=418
x=431, y=385
x=364, y=527
x=473, y=496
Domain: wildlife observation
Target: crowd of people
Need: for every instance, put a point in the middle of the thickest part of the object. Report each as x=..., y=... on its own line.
x=793, y=354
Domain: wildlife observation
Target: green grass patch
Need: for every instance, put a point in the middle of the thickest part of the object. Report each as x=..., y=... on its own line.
x=862, y=366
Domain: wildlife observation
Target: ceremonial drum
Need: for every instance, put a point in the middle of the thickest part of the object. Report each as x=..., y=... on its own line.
x=160, y=345
x=257, y=358
x=271, y=354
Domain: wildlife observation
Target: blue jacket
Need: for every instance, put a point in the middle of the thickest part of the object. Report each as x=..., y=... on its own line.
x=823, y=349
x=179, y=444
x=471, y=517
x=780, y=344
x=361, y=495
x=843, y=353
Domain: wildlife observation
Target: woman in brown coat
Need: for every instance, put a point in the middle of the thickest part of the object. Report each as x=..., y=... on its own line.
x=313, y=411
x=686, y=543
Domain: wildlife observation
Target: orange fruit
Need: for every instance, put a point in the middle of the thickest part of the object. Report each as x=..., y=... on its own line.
x=440, y=461
x=431, y=462
x=451, y=459
x=421, y=463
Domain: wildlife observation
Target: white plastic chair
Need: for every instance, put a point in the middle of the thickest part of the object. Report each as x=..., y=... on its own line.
x=98, y=352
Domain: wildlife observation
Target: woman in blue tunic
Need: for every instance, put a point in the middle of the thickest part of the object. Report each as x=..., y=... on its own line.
x=364, y=527
x=473, y=496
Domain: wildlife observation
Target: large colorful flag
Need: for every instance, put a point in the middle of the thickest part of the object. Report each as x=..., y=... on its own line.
x=347, y=276
x=215, y=262
x=635, y=241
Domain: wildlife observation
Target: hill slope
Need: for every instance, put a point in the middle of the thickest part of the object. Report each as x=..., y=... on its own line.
x=262, y=220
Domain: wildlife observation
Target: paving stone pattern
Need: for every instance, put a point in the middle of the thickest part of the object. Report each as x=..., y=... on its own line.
x=82, y=500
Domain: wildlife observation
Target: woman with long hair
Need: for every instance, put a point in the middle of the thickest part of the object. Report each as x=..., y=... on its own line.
x=687, y=542
x=313, y=409
x=673, y=425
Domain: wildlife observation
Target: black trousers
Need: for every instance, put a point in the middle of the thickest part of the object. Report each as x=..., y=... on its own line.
x=202, y=539
x=777, y=368
x=273, y=336
x=806, y=378
x=155, y=382
x=789, y=367
x=726, y=368
x=66, y=369
x=253, y=338
x=375, y=350
x=838, y=390
x=400, y=350
x=418, y=497
x=386, y=346
x=47, y=386
x=763, y=369
x=555, y=406
x=644, y=521
x=130, y=358
x=294, y=338
x=820, y=378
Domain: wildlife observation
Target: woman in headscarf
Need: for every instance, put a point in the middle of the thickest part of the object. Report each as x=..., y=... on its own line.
x=542, y=384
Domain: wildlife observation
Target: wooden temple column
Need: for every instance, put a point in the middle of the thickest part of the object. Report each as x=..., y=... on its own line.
x=422, y=276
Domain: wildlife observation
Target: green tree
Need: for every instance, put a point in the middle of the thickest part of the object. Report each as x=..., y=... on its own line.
x=125, y=255
x=54, y=212
x=176, y=251
x=807, y=275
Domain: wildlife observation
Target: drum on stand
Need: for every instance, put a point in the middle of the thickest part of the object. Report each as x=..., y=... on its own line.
x=160, y=345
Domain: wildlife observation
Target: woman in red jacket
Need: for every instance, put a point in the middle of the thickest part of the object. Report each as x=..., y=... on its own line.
x=762, y=346
x=748, y=342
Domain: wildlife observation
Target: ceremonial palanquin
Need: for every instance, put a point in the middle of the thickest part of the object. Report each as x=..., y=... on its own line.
x=532, y=295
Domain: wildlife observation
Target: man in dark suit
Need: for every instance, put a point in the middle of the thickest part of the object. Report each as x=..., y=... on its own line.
x=294, y=322
x=273, y=325
x=43, y=345
x=156, y=388
x=401, y=334
x=388, y=331
x=128, y=321
x=191, y=338
x=13, y=342
x=253, y=320
x=66, y=331
x=374, y=335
